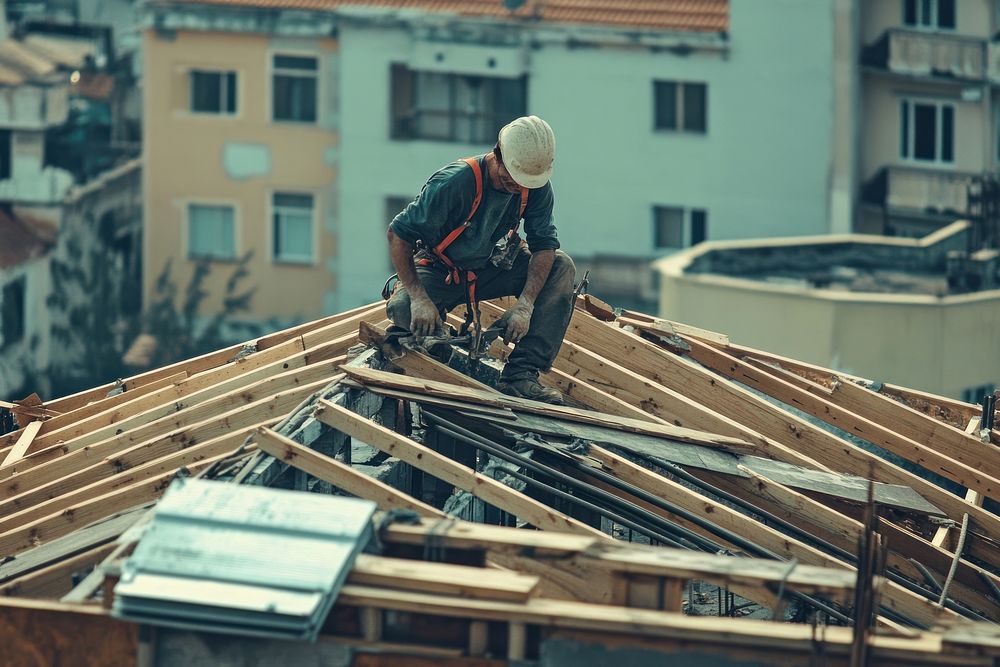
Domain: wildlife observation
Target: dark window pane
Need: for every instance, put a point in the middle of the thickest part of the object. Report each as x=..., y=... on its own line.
x=4, y=154
x=946, y=14
x=910, y=12
x=668, y=231
x=904, y=126
x=231, y=92
x=206, y=93
x=924, y=131
x=402, y=86
x=295, y=62
x=12, y=312
x=665, y=105
x=947, y=133
x=695, y=107
x=295, y=98
x=293, y=200
x=925, y=12
x=699, y=226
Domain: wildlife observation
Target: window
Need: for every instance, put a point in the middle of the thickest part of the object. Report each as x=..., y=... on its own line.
x=213, y=92
x=675, y=227
x=294, y=86
x=12, y=313
x=293, y=228
x=975, y=394
x=927, y=131
x=5, y=159
x=453, y=107
x=211, y=232
x=929, y=14
x=681, y=107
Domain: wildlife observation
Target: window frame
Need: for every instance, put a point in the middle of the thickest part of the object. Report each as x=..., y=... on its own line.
x=274, y=71
x=223, y=88
x=933, y=24
x=272, y=211
x=687, y=226
x=907, y=152
x=680, y=93
x=215, y=203
x=404, y=122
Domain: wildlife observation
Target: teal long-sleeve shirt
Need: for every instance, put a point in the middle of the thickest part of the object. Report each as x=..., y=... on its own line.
x=445, y=201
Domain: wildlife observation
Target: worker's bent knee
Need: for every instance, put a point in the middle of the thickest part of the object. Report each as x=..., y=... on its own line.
x=563, y=270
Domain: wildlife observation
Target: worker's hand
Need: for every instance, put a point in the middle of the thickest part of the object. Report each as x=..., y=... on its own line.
x=424, y=319
x=518, y=318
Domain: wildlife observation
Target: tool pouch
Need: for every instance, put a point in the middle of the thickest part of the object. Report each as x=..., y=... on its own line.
x=506, y=251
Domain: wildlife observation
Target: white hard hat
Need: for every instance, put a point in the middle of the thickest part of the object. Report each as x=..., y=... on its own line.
x=528, y=148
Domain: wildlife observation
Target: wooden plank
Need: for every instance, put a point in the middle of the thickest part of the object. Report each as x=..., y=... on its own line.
x=339, y=474
x=594, y=398
x=23, y=444
x=103, y=404
x=217, y=358
x=198, y=413
x=446, y=579
x=426, y=459
x=374, y=378
x=754, y=412
x=55, y=580
x=66, y=521
x=943, y=438
x=35, y=633
x=983, y=478
x=197, y=388
x=40, y=502
x=787, y=547
x=76, y=470
x=668, y=328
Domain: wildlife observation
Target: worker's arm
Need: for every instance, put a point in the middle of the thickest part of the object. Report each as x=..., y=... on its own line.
x=519, y=316
x=424, y=319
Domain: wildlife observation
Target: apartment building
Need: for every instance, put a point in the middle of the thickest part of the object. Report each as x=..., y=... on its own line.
x=298, y=129
x=929, y=110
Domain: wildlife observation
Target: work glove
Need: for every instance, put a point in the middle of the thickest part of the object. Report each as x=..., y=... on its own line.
x=517, y=319
x=424, y=319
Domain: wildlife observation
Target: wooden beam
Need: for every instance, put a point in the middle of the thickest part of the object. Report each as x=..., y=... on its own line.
x=431, y=388
x=715, y=391
x=339, y=474
x=443, y=578
x=143, y=409
x=76, y=470
x=55, y=580
x=37, y=503
x=983, y=478
x=66, y=521
x=23, y=444
x=349, y=320
x=893, y=596
x=440, y=466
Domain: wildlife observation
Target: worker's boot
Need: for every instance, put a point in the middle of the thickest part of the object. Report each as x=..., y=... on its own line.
x=530, y=388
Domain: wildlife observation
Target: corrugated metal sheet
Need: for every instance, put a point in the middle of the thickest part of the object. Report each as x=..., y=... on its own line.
x=243, y=560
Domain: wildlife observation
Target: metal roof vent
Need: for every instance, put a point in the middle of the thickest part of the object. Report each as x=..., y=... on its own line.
x=224, y=558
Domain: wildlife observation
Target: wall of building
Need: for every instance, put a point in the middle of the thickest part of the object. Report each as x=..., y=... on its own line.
x=612, y=167
x=972, y=17
x=939, y=345
x=237, y=160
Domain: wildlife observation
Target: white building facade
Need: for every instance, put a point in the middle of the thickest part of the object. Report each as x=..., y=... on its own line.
x=663, y=139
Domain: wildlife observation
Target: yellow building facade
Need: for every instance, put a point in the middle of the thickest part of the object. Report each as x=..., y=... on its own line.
x=239, y=146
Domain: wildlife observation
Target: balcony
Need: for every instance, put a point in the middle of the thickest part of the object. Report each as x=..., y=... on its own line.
x=928, y=191
x=928, y=54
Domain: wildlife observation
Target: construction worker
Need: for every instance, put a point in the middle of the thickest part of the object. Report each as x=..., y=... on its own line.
x=457, y=243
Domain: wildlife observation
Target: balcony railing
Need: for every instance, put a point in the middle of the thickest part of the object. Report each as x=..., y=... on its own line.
x=935, y=192
x=918, y=53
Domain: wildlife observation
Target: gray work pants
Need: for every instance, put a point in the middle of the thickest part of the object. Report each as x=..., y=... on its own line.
x=549, y=320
